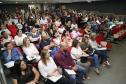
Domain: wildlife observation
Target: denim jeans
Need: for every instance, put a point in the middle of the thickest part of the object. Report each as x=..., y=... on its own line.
x=79, y=75
x=81, y=72
x=102, y=55
x=71, y=77
x=94, y=57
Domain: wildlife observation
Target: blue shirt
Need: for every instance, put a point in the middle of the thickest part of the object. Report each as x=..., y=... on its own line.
x=15, y=55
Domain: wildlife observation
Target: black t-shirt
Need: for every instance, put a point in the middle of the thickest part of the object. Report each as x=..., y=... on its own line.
x=29, y=76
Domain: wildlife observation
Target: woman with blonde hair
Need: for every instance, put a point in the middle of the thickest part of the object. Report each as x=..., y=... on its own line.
x=49, y=70
x=30, y=50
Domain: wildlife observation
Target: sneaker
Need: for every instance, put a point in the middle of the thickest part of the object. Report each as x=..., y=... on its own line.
x=97, y=71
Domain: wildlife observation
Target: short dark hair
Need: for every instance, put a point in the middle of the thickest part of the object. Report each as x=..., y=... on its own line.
x=18, y=31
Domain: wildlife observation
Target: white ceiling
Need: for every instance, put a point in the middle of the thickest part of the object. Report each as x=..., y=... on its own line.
x=45, y=1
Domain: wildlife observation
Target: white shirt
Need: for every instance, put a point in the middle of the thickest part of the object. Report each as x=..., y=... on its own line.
x=31, y=50
x=74, y=26
x=96, y=46
x=93, y=44
x=45, y=69
x=76, y=52
x=19, y=40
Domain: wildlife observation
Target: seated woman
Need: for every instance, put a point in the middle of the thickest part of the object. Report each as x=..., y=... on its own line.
x=49, y=70
x=86, y=30
x=24, y=74
x=99, y=50
x=35, y=37
x=30, y=50
x=45, y=42
x=85, y=46
x=80, y=56
x=11, y=53
x=19, y=38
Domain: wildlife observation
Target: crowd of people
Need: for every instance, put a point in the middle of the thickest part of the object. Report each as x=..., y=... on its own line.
x=58, y=46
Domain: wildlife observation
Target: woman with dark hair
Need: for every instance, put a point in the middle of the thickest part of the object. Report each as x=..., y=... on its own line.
x=85, y=46
x=24, y=74
x=79, y=56
x=49, y=70
x=19, y=38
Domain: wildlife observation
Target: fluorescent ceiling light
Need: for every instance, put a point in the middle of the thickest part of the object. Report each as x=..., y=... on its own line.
x=1, y=2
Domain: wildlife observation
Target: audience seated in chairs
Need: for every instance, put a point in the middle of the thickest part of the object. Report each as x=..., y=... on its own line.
x=58, y=30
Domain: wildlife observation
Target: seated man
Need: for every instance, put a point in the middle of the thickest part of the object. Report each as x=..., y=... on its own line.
x=65, y=61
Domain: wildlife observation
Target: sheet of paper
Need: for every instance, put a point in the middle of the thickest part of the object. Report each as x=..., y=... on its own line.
x=55, y=78
x=101, y=48
x=70, y=71
x=9, y=64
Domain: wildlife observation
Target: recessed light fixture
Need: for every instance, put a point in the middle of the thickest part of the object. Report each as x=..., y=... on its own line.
x=16, y=2
x=32, y=2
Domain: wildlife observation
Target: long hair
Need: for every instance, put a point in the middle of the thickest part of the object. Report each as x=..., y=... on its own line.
x=17, y=69
x=24, y=41
x=75, y=43
x=43, y=55
x=84, y=40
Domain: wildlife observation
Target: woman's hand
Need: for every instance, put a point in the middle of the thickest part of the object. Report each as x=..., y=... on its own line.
x=56, y=73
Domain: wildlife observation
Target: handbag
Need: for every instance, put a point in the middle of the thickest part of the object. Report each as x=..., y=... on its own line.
x=83, y=59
